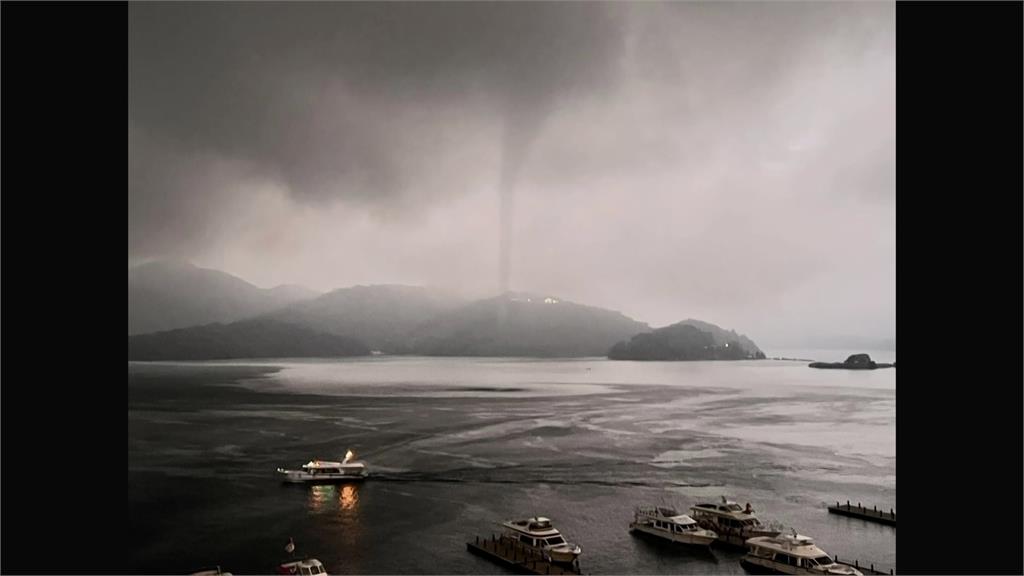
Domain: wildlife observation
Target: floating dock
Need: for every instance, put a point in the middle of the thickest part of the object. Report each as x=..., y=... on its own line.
x=858, y=511
x=518, y=557
x=865, y=568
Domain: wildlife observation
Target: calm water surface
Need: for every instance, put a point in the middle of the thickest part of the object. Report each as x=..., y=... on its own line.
x=455, y=445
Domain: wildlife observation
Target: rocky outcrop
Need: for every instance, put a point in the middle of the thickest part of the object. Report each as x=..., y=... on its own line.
x=854, y=362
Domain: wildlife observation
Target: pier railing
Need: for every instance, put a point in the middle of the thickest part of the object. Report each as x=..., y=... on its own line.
x=864, y=513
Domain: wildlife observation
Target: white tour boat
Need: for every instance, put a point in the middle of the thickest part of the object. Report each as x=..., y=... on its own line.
x=300, y=566
x=324, y=471
x=791, y=554
x=671, y=525
x=303, y=567
x=539, y=534
x=733, y=523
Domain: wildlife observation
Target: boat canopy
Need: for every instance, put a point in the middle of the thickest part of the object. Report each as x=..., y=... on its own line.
x=322, y=464
x=537, y=526
x=666, y=514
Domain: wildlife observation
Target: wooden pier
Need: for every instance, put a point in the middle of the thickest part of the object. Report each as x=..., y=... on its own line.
x=858, y=511
x=518, y=557
x=865, y=568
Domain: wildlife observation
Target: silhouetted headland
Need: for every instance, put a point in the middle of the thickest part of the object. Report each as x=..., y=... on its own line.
x=854, y=362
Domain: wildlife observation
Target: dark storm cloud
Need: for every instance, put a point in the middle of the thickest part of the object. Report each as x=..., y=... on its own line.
x=719, y=160
x=314, y=94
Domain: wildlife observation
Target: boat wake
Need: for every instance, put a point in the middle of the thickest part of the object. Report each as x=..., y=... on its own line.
x=519, y=479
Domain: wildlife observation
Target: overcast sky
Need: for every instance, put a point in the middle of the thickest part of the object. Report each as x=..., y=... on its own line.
x=732, y=162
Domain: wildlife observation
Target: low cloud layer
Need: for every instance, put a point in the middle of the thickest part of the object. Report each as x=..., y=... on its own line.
x=731, y=162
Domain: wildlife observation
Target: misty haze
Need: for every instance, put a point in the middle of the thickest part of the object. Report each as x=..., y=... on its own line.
x=399, y=273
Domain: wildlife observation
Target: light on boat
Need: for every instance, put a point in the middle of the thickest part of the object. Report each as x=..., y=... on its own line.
x=349, y=455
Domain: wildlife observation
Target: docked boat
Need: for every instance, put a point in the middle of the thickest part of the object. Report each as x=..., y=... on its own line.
x=734, y=524
x=303, y=567
x=538, y=533
x=325, y=471
x=300, y=567
x=791, y=554
x=669, y=524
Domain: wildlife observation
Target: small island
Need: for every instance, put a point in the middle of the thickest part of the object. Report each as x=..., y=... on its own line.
x=854, y=362
x=687, y=340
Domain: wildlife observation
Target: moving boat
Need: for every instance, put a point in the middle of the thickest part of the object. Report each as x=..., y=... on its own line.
x=539, y=534
x=734, y=524
x=326, y=471
x=669, y=524
x=791, y=554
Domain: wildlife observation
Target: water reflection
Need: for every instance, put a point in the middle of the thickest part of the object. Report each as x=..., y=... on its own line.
x=349, y=497
x=321, y=496
x=338, y=531
x=331, y=497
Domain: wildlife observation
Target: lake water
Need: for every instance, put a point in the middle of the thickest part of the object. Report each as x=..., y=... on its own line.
x=456, y=445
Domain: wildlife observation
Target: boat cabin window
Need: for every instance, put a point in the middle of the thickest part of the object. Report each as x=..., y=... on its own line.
x=782, y=558
x=526, y=539
x=819, y=561
x=555, y=541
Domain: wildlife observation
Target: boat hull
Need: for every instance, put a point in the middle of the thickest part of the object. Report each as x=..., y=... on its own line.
x=561, y=556
x=752, y=568
x=301, y=477
x=688, y=539
x=766, y=566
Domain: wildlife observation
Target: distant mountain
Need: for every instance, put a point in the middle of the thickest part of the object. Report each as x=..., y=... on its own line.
x=257, y=338
x=520, y=324
x=382, y=316
x=720, y=335
x=177, y=311
x=289, y=293
x=166, y=295
x=686, y=340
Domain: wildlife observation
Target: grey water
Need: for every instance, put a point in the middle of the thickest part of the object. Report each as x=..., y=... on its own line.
x=455, y=445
